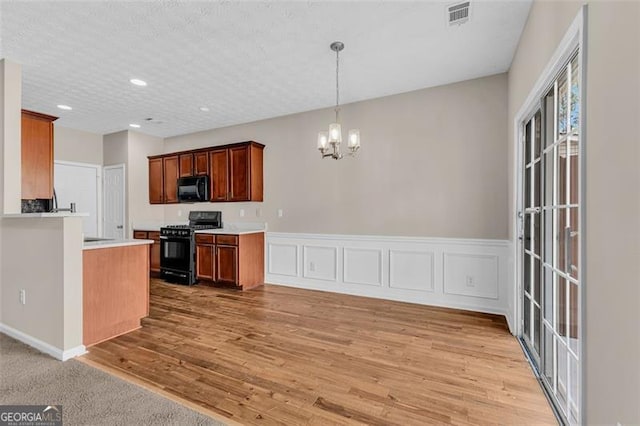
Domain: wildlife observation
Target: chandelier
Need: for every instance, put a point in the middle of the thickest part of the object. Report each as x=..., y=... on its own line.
x=334, y=136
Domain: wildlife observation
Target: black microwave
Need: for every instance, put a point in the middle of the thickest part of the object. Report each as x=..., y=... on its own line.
x=193, y=188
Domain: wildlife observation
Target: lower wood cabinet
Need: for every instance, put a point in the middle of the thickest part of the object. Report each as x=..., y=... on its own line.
x=205, y=262
x=154, y=250
x=236, y=260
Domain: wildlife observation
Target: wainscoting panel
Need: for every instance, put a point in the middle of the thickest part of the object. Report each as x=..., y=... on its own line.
x=411, y=270
x=471, y=275
x=320, y=263
x=458, y=273
x=362, y=266
x=283, y=259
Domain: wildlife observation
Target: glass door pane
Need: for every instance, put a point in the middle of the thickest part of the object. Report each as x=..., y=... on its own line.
x=550, y=249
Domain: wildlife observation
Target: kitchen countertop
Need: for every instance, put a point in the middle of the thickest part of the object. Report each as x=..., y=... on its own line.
x=235, y=230
x=90, y=245
x=41, y=215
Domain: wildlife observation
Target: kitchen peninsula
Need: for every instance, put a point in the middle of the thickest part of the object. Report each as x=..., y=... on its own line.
x=115, y=288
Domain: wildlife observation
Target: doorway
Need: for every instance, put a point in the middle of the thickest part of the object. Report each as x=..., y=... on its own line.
x=80, y=183
x=550, y=239
x=114, y=201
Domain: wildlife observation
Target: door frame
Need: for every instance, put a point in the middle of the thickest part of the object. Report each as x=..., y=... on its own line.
x=125, y=230
x=99, y=181
x=574, y=38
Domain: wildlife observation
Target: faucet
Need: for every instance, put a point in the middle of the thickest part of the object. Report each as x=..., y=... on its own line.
x=72, y=207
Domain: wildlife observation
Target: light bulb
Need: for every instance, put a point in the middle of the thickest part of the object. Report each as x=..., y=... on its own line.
x=354, y=138
x=335, y=133
x=323, y=139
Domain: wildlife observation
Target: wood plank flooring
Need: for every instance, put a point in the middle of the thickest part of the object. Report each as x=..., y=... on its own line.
x=277, y=355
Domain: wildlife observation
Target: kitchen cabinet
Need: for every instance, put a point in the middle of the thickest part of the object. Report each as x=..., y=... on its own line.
x=236, y=260
x=170, y=176
x=37, y=155
x=219, y=179
x=186, y=165
x=235, y=172
x=205, y=257
x=227, y=264
x=201, y=164
x=156, y=181
x=154, y=250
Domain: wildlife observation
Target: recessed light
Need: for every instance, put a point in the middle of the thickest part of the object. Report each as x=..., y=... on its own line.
x=138, y=82
x=204, y=109
x=135, y=126
x=65, y=107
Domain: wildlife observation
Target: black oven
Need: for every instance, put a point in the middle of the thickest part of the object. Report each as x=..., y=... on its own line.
x=178, y=249
x=176, y=257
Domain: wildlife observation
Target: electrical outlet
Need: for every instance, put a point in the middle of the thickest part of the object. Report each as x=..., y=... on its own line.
x=312, y=266
x=241, y=212
x=258, y=212
x=469, y=281
x=23, y=296
x=179, y=213
x=280, y=213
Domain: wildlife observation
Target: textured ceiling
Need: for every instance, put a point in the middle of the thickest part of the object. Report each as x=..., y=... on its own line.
x=244, y=60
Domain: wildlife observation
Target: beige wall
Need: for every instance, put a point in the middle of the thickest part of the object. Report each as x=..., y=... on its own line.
x=11, y=87
x=53, y=309
x=432, y=164
x=140, y=146
x=77, y=146
x=114, y=148
x=612, y=359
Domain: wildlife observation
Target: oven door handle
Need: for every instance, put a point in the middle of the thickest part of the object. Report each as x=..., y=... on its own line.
x=164, y=238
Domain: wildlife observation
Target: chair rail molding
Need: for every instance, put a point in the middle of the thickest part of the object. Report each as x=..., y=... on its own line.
x=470, y=274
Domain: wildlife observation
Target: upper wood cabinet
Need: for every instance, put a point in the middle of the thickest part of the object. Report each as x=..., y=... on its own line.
x=37, y=155
x=170, y=175
x=186, y=165
x=156, y=181
x=235, y=172
x=201, y=163
x=219, y=177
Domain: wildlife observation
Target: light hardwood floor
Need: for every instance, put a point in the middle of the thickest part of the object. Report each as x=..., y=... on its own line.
x=277, y=355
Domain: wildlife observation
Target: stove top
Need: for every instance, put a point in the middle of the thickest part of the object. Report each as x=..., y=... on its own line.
x=197, y=221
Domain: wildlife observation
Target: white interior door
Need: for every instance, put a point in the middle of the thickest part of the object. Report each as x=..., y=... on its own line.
x=114, y=201
x=79, y=183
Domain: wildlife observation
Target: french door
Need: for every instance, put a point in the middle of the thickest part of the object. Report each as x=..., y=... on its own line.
x=550, y=240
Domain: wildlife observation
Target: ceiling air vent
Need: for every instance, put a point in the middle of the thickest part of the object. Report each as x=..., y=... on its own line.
x=458, y=13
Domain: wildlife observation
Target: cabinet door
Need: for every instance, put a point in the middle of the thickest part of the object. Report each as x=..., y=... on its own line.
x=239, y=174
x=218, y=162
x=186, y=165
x=156, y=182
x=154, y=252
x=170, y=174
x=227, y=264
x=201, y=163
x=205, y=264
x=37, y=156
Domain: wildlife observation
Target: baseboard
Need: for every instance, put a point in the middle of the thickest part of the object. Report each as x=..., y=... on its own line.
x=469, y=274
x=43, y=346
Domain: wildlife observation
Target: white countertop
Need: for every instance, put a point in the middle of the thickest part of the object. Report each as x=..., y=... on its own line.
x=41, y=215
x=232, y=231
x=114, y=243
x=236, y=228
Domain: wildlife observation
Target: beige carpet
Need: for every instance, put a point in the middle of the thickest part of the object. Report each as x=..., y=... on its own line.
x=88, y=396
